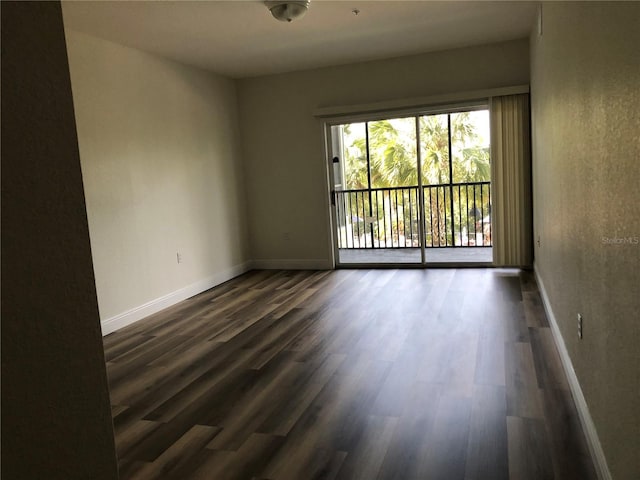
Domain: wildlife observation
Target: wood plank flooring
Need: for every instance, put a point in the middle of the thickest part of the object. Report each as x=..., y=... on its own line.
x=349, y=374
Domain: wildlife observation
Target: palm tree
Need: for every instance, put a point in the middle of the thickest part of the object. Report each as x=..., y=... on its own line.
x=392, y=149
x=393, y=157
x=470, y=161
x=434, y=144
x=470, y=164
x=355, y=157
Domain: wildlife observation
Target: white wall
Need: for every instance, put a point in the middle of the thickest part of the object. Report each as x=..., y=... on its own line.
x=283, y=143
x=159, y=148
x=585, y=92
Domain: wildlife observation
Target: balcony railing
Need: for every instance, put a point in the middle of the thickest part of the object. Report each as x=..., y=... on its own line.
x=455, y=215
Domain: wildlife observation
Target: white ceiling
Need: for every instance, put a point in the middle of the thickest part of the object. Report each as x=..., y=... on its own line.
x=240, y=38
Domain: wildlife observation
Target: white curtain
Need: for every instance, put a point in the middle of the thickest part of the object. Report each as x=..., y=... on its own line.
x=511, y=214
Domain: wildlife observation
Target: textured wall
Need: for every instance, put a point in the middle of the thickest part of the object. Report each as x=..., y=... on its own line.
x=160, y=154
x=586, y=161
x=56, y=419
x=283, y=142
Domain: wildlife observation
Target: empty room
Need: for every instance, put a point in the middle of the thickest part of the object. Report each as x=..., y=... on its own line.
x=291, y=240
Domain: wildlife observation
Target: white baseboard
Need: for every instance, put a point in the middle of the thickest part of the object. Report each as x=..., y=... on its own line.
x=293, y=264
x=595, y=448
x=138, y=313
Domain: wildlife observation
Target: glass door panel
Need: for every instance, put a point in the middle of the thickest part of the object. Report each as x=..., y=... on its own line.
x=377, y=211
x=456, y=172
x=470, y=159
x=413, y=190
x=436, y=174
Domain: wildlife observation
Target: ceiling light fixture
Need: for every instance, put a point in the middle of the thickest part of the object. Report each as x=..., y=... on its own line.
x=286, y=11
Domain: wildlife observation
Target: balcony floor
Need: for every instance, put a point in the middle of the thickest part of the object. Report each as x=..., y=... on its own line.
x=458, y=255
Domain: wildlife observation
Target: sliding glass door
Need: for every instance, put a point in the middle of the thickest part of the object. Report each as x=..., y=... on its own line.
x=375, y=192
x=412, y=190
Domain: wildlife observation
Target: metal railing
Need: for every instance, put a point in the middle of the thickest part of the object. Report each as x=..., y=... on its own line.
x=455, y=215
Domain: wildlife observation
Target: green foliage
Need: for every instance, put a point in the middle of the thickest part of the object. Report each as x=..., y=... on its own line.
x=393, y=163
x=434, y=143
x=392, y=149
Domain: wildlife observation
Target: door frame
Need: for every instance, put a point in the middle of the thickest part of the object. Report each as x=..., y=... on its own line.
x=329, y=122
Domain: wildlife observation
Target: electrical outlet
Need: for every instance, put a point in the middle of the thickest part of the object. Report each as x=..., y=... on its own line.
x=179, y=257
x=286, y=236
x=580, y=326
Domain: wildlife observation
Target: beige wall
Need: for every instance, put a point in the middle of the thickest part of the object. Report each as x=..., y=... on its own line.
x=283, y=143
x=159, y=147
x=586, y=162
x=56, y=418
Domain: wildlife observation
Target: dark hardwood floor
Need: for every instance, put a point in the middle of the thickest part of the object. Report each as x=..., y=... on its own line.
x=350, y=374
